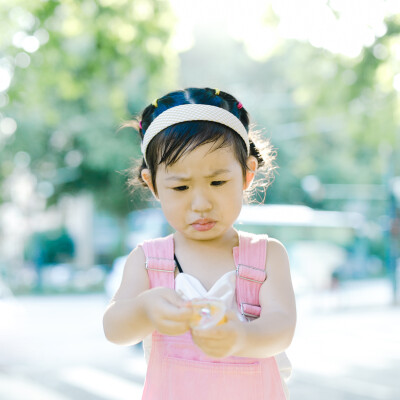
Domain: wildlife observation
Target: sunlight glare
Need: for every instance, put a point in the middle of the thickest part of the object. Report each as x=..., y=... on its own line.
x=5, y=78
x=396, y=82
x=342, y=27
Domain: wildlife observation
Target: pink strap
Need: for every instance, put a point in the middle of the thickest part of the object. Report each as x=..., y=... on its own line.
x=160, y=263
x=250, y=257
x=251, y=272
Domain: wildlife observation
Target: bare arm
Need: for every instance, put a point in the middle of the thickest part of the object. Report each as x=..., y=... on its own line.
x=273, y=332
x=125, y=320
x=136, y=310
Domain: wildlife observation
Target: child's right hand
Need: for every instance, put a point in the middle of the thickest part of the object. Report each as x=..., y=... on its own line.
x=167, y=311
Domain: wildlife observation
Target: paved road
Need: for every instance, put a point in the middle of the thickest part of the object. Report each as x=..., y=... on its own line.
x=53, y=348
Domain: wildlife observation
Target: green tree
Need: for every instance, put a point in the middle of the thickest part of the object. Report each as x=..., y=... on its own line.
x=349, y=109
x=76, y=66
x=328, y=115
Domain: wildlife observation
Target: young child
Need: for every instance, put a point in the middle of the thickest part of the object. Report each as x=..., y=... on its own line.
x=198, y=161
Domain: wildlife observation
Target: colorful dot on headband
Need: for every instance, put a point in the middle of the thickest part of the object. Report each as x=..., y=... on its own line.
x=217, y=92
x=239, y=105
x=194, y=112
x=140, y=124
x=155, y=104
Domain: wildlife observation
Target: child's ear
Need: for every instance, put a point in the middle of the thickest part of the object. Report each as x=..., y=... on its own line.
x=252, y=164
x=146, y=176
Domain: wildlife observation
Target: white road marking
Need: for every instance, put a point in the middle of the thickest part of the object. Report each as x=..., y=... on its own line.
x=101, y=383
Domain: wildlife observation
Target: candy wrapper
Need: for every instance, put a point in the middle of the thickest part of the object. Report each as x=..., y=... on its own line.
x=207, y=312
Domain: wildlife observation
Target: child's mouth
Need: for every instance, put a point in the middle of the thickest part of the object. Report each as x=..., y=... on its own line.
x=203, y=224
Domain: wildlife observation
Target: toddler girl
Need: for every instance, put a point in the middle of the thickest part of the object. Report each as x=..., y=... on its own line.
x=198, y=160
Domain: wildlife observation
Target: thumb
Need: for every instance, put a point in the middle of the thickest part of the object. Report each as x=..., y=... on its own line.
x=175, y=299
x=232, y=315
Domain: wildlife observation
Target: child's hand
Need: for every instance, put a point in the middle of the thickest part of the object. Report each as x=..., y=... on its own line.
x=167, y=311
x=222, y=340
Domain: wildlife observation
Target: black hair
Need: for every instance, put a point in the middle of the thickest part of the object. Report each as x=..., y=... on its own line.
x=169, y=145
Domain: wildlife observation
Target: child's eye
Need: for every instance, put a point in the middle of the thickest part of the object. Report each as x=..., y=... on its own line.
x=218, y=183
x=180, y=188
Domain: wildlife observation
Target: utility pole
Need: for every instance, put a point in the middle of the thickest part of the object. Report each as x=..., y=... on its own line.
x=392, y=229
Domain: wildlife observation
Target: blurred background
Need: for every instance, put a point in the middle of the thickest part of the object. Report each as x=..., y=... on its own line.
x=320, y=78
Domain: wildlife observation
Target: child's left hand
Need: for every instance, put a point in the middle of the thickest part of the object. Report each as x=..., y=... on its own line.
x=222, y=340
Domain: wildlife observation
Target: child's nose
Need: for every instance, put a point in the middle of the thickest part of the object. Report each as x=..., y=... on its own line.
x=201, y=202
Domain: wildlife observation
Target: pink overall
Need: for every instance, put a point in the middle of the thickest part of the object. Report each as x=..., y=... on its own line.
x=179, y=370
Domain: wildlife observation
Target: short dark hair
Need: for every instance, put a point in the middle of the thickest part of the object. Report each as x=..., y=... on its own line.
x=169, y=145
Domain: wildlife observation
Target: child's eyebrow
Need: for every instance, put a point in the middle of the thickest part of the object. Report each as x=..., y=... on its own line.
x=183, y=178
x=218, y=172
x=177, y=178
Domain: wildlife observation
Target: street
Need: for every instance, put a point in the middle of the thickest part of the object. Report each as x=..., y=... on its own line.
x=53, y=348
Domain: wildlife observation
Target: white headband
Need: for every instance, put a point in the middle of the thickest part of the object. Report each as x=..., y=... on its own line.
x=193, y=112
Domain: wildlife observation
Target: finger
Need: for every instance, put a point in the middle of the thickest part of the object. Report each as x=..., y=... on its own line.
x=171, y=311
x=210, y=342
x=211, y=333
x=213, y=351
x=232, y=315
x=172, y=328
x=176, y=299
x=217, y=353
x=211, y=345
x=176, y=314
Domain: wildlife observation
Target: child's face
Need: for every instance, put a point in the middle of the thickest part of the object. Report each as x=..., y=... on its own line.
x=201, y=194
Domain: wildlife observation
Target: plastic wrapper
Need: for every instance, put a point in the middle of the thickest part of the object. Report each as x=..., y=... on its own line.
x=207, y=312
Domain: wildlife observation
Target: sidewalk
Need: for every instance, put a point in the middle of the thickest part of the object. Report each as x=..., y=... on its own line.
x=347, y=344
x=346, y=347
x=349, y=295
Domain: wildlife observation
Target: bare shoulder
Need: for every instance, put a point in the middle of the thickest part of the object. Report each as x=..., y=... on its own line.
x=277, y=264
x=276, y=250
x=276, y=293
x=134, y=278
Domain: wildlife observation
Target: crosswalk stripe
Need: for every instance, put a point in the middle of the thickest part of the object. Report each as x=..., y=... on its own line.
x=22, y=388
x=101, y=383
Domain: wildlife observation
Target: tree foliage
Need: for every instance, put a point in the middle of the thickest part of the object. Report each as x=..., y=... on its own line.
x=77, y=66
x=349, y=111
x=329, y=116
